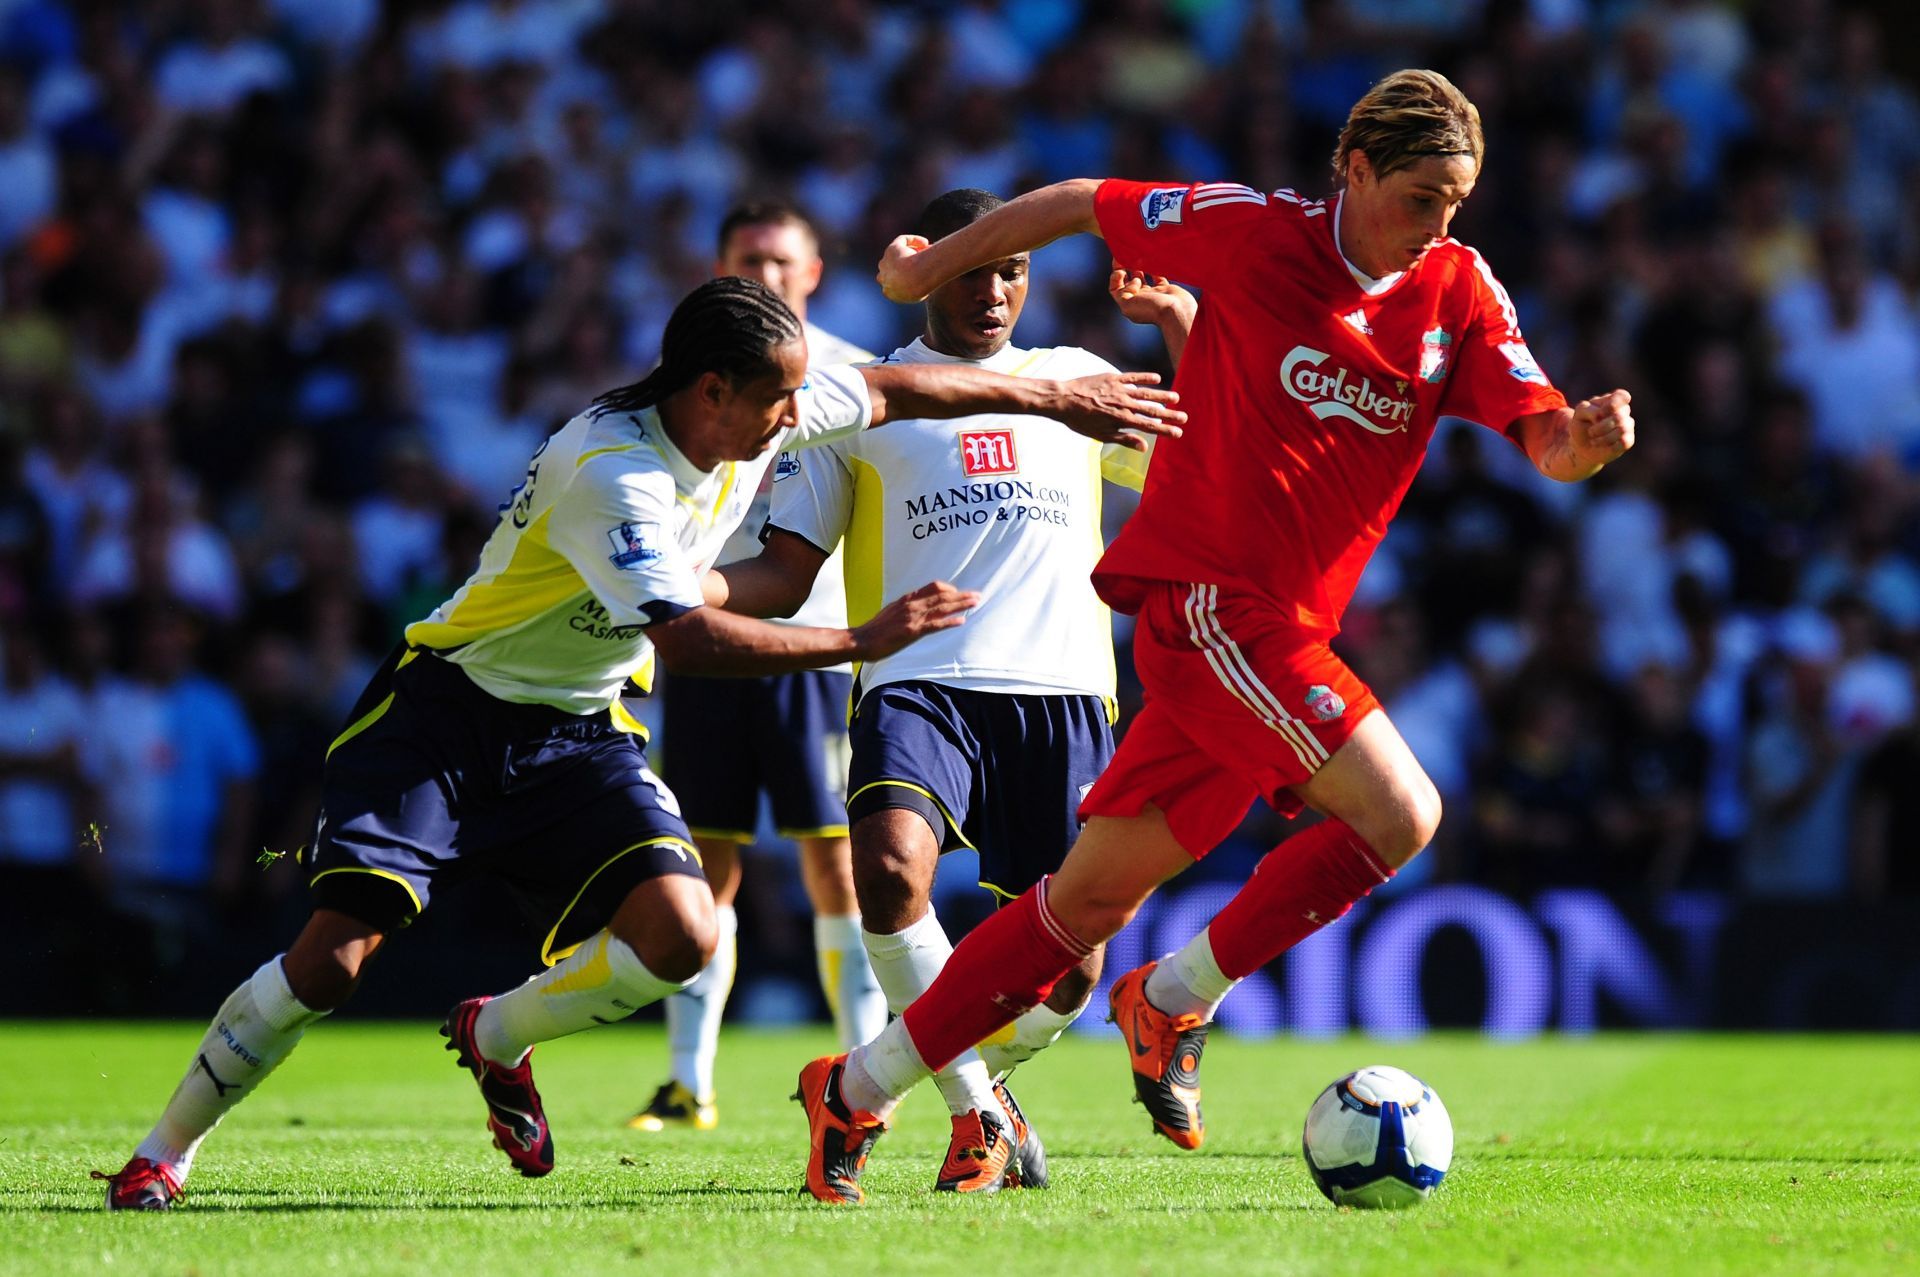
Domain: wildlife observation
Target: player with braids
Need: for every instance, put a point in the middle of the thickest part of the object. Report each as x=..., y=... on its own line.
x=493, y=742
x=789, y=750
x=1331, y=335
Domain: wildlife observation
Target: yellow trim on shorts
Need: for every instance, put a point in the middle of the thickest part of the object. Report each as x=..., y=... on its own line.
x=372, y=716
x=388, y=874
x=823, y=831
x=547, y=955
x=931, y=797
x=741, y=836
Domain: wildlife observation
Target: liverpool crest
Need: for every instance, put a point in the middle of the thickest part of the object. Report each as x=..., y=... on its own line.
x=1434, y=345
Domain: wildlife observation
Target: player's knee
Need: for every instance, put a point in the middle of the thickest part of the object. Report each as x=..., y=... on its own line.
x=890, y=882
x=1414, y=820
x=679, y=951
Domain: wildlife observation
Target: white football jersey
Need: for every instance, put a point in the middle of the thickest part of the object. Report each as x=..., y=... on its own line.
x=610, y=532
x=1007, y=505
x=826, y=607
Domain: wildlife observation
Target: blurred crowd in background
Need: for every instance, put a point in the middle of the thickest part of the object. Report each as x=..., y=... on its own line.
x=291, y=289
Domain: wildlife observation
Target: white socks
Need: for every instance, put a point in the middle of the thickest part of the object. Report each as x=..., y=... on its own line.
x=906, y=964
x=1189, y=981
x=859, y=1007
x=879, y=1073
x=694, y=1013
x=1025, y=1038
x=256, y=1028
x=600, y=982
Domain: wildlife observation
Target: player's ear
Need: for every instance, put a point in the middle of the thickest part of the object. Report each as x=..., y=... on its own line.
x=814, y=269
x=712, y=390
x=1359, y=168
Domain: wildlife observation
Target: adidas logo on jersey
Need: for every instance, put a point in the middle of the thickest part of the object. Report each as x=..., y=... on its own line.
x=1332, y=394
x=1358, y=322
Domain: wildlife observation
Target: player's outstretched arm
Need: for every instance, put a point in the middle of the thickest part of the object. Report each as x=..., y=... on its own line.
x=1571, y=444
x=774, y=582
x=1158, y=302
x=912, y=268
x=1118, y=408
x=715, y=643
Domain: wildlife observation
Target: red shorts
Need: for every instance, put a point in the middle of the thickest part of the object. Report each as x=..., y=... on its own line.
x=1241, y=705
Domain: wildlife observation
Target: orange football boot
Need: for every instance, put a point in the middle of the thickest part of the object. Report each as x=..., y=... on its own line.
x=1165, y=1052
x=980, y=1156
x=841, y=1137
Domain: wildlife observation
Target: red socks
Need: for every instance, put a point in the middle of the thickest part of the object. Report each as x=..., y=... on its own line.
x=1004, y=968
x=1306, y=882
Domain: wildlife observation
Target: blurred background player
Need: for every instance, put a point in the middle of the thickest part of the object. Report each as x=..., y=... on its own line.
x=991, y=739
x=726, y=742
x=493, y=742
x=1247, y=546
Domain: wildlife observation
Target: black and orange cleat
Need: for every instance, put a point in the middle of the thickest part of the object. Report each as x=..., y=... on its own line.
x=1029, y=1168
x=514, y=1114
x=981, y=1155
x=839, y=1137
x=1165, y=1052
x=142, y=1184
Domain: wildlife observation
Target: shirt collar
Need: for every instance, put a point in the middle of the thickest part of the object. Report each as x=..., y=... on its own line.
x=1001, y=360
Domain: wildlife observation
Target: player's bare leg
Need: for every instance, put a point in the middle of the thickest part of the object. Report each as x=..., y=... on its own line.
x=687, y=1098
x=256, y=1028
x=659, y=939
x=1381, y=810
x=846, y=977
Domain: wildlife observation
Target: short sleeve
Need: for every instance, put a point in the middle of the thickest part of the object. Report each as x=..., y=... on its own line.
x=1495, y=378
x=615, y=526
x=834, y=403
x=1124, y=466
x=1196, y=234
x=812, y=496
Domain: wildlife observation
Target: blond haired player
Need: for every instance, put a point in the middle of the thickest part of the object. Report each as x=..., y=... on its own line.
x=1332, y=334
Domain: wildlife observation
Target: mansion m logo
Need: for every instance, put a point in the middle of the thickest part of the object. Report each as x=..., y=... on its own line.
x=987, y=452
x=1339, y=394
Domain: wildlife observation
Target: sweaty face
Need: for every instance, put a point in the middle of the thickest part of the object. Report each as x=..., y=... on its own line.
x=1388, y=223
x=973, y=316
x=753, y=413
x=780, y=255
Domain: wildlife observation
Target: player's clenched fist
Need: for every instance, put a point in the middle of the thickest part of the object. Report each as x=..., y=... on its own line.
x=1602, y=428
x=934, y=606
x=893, y=273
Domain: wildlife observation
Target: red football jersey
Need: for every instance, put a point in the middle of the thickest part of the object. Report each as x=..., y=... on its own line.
x=1309, y=400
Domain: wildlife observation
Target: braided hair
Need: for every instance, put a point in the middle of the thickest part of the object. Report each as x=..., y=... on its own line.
x=729, y=325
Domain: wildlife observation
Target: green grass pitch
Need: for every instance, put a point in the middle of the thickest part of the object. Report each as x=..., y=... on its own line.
x=365, y=1154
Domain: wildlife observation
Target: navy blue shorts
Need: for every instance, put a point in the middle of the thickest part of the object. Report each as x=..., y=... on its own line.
x=1000, y=772
x=725, y=741
x=434, y=779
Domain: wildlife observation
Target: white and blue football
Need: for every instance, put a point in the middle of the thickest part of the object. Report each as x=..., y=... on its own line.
x=1379, y=1137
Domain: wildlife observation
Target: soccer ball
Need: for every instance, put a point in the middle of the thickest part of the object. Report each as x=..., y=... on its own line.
x=1378, y=1137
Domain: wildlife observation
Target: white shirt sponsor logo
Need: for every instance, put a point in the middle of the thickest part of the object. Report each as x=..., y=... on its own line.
x=1521, y=362
x=1338, y=394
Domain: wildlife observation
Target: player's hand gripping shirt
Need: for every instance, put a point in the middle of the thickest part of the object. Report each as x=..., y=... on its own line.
x=1007, y=505
x=826, y=606
x=608, y=534
x=1309, y=398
